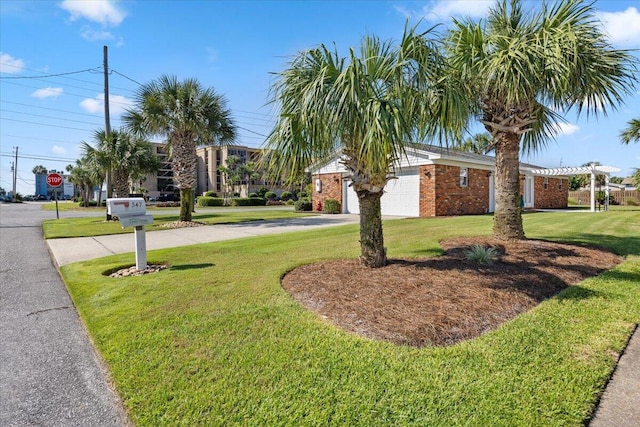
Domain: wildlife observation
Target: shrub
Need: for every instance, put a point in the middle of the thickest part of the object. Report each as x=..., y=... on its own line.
x=270, y=195
x=331, y=206
x=168, y=204
x=631, y=202
x=210, y=201
x=290, y=202
x=94, y=203
x=254, y=195
x=248, y=201
x=286, y=195
x=303, y=205
x=263, y=191
x=481, y=254
x=302, y=194
x=210, y=194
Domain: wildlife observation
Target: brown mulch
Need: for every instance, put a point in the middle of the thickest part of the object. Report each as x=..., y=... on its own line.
x=443, y=300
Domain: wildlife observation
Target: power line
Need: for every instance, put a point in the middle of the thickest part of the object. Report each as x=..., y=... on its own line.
x=38, y=157
x=47, y=108
x=46, y=75
x=47, y=117
x=128, y=78
x=72, y=94
x=44, y=124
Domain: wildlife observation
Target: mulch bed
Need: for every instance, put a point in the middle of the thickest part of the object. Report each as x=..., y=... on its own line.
x=443, y=300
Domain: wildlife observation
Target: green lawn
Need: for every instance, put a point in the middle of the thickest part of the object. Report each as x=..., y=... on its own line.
x=214, y=340
x=98, y=226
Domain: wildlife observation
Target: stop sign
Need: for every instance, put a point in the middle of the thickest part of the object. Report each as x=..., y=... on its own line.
x=54, y=180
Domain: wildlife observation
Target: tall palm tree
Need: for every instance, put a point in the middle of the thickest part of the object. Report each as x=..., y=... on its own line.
x=632, y=132
x=125, y=154
x=517, y=70
x=363, y=107
x=187, y=115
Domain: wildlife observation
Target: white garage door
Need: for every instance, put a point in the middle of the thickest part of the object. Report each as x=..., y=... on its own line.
x=401, y=197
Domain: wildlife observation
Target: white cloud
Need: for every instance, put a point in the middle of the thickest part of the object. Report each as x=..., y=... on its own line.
x=117, y=104
x=105, y=12
x=58, y=150
x=92, y=35
x=9, y=64
x=562, y=129
x=47, y=92
x=442, y=10
x=623, y=27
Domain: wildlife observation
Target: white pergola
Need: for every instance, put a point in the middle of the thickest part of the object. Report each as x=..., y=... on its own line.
x=593, y=170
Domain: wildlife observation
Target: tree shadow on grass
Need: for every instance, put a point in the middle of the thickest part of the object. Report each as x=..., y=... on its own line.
x=625, y=245
x=190, y=266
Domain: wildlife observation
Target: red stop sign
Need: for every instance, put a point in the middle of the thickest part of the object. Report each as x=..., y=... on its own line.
x=54, y=180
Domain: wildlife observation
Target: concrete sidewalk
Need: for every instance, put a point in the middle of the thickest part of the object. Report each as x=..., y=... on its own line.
x=65, y=251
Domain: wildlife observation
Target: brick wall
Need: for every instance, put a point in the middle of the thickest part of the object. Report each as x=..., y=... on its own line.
x=554, y=196
x=427, y=190
x=453, y=199
x=331, y=189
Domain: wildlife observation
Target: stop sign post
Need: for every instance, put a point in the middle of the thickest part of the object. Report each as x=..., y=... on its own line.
x=54, y=180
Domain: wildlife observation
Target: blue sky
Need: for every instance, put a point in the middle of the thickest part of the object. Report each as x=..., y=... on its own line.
x=232, y=46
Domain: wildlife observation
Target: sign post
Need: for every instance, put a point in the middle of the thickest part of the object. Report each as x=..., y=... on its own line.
x=131, y=212
x=54, y=180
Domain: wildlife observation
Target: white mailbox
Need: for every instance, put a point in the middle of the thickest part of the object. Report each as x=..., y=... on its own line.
x=131, y=213
x=133, y=206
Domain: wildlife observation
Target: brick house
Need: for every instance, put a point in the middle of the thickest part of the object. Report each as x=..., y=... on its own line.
x=435, y=181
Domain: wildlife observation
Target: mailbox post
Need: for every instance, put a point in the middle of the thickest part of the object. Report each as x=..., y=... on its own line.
x=132, y=213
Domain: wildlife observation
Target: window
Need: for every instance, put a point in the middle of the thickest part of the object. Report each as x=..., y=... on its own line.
x=546, y=182
x=560, y=184
x=464, y=181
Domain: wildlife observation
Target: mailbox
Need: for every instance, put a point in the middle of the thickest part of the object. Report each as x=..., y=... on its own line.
x=131, y=213
x=133, y=206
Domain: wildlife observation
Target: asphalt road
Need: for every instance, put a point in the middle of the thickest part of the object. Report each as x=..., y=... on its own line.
x=50, y=374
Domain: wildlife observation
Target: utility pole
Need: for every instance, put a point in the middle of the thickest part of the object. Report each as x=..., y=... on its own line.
x=107, y=121
x=15, y=172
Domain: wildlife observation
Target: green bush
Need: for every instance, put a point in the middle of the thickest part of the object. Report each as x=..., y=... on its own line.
x=331, y=206
x=290, y=202
x=254, y=195
x=249, y=201
x=303, y=205
x=481, y=254
x=210, y=194
x=286, y=195
x=94, y=203
x=263, y=191
x=303, y=194
x=631, y=202
x=270, y=195
x=210, y=201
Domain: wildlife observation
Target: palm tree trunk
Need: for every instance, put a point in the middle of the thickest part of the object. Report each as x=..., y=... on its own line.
x=121, y=182
x=507, y=219
x=186, y=204
x=372, y=251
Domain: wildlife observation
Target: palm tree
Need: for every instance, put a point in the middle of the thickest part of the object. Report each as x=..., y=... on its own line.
x=517, y=70
x=126, y=155
x=186, y=114
x=363, y=107
x=39, y=170
x=632, y=132
x=85, y=176
x=480, y=143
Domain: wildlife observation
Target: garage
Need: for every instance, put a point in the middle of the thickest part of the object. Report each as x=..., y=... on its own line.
x=401, y=197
